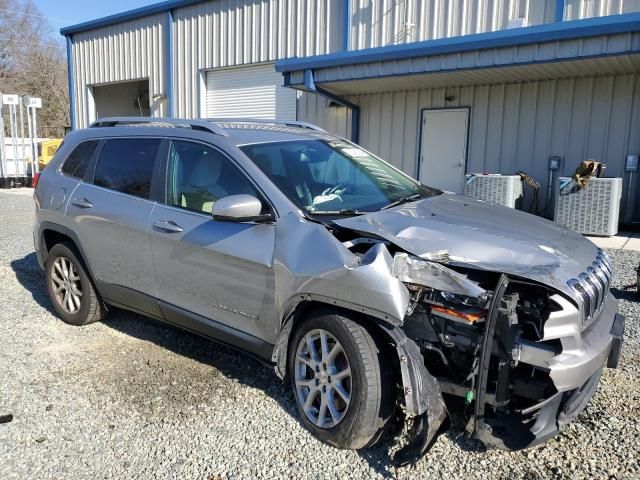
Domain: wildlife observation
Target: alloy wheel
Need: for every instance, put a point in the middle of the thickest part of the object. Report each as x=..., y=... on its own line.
x=322, y=378
x=67, y=288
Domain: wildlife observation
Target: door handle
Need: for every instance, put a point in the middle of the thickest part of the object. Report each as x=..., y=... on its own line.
x=168, y=226
x=82, y=203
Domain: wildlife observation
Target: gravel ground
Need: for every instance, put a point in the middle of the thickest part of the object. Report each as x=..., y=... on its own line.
x=132, y=398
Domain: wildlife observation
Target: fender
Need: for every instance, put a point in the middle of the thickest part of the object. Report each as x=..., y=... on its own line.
x=43, y=251
x=279, y=356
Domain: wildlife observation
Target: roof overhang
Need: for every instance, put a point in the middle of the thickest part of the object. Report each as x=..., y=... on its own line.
x=596, y=46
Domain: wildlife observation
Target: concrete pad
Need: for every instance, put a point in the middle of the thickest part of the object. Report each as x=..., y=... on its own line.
x=633, y=243
x=18, y=191
x=616, y=242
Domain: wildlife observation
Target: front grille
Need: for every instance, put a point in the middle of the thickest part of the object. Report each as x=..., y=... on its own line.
x=592, y=287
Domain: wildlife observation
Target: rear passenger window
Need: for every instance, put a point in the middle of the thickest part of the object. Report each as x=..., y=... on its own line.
x=76, y=163
x=126, y=165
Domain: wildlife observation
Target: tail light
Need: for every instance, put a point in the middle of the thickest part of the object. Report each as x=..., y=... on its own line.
x=36, y=177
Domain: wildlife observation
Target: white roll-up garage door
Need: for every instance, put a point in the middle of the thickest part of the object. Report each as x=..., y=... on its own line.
x=254, y=91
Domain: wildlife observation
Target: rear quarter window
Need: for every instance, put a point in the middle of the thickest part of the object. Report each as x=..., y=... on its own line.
x=78, y=160
x=126, y=165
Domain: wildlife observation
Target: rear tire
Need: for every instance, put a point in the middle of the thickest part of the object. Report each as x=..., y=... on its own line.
x=346, y=410
x=70, y=289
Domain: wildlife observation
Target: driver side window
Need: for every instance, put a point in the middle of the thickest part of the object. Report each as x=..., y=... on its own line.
x=198, y=176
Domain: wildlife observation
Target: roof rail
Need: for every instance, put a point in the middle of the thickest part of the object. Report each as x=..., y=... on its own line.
x=285, y=123
x=200, y=125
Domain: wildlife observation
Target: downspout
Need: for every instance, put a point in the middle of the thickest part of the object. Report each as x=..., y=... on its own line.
x=310, y=85
x=346, y=25
x=559, y=13
x=168, y=74
x=71, y=75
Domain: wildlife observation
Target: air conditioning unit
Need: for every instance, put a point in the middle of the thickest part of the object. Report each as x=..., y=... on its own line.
x=593, y=210
x=494, y=188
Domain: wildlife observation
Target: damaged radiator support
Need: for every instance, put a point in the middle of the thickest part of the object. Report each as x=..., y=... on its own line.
x=503, y=429
x=485, y=357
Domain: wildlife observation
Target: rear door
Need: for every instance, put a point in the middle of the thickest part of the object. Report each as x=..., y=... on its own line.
x=211, y=274
x=112, y=215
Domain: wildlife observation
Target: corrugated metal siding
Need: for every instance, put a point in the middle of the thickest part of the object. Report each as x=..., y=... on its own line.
x=127, y=51
x=513, y=126
x=225, y=33
x=334, y=119
x=576, y=9
x=376, y=23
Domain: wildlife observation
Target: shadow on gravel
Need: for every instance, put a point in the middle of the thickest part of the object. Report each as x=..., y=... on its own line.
x=231, y=363
x=628, y=295
x=30, y=276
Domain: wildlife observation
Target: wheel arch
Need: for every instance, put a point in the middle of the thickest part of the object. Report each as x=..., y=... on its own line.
x=420, y=390
x=51, y=234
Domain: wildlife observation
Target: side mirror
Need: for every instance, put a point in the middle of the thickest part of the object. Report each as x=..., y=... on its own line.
x=239, y=208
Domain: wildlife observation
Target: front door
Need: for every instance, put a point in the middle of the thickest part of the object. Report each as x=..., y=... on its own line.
x=443, y=148
x=210, y=272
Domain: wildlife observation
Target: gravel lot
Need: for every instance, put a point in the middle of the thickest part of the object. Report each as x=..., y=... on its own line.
x=133, y=398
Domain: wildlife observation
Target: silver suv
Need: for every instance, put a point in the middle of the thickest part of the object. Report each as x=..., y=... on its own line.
x=377, y=296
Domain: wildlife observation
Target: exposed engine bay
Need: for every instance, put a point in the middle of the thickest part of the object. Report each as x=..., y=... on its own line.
x=481, y=336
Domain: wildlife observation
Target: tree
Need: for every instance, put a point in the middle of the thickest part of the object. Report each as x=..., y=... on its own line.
x=33, y=62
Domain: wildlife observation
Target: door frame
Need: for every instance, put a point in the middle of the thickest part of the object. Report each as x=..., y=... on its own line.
x=421, y=131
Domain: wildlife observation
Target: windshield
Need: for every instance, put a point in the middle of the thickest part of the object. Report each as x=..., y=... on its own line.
x=334, y=177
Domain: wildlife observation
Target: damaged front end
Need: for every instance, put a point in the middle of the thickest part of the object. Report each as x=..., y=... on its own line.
x=513, y=352
x=510, y=355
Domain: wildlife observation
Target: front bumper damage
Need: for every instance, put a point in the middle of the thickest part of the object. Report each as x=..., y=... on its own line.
x=575, y=374
x=423, y=401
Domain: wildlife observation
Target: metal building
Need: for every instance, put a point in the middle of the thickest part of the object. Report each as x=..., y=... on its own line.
x=436, y=87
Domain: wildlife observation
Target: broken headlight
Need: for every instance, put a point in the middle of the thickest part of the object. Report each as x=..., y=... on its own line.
x=479, y=301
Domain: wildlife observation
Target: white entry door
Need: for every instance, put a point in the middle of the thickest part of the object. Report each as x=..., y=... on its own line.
x=443, y=148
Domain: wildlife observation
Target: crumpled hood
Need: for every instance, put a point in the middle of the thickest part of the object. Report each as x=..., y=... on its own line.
x=483, y=235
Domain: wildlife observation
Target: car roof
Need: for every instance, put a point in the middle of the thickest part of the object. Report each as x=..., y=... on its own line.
x=235, y=131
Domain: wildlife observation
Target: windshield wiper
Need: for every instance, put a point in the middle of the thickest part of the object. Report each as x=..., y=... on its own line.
x=339, y=213
x=401, y=200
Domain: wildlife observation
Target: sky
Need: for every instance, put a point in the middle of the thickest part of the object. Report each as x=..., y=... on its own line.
x=61, y=13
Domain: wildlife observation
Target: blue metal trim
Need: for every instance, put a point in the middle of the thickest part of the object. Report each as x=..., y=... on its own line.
x=168, y=78
x=128, y=15
x=346, y=25
x=629, y=22
x=300, y=86
x=559, y=15
x=71, y=74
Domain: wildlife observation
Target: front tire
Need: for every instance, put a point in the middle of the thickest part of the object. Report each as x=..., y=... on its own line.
x=69, y=287
x=335, y=371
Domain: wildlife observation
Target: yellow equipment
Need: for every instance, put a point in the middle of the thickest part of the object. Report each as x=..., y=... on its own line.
x=46, y=150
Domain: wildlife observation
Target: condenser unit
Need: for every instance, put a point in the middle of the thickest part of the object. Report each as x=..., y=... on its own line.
x=593, y=210
x=501, y=189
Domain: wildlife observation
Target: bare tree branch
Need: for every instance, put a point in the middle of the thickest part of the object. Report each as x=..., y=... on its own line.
x=33, y=62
